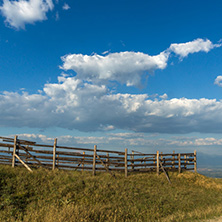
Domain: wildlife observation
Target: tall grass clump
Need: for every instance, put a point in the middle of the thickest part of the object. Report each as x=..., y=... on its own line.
x=46, y=195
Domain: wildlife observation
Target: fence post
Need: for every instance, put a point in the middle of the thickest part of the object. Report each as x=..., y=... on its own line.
x=195, y=161
x=54, y=154
x=157, y=162
x=14, y=151
x=83, y=161
x=94, y=160
x=179, y=163
x=126, y=162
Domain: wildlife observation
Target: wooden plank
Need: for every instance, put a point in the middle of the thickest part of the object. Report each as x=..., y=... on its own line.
x=2, y=137
x=141, y=154
x=143, y=165
x=4, y=151
x=30, y=155
x=5, y=158
x=25, y=165
x=6, y=145
x=94, y=161
x=107, y=169
x=126, y=163
x=85, y=149
x=161, y=165
x=14, y=151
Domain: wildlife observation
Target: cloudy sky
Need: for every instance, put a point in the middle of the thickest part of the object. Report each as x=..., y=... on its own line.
x=146, y=75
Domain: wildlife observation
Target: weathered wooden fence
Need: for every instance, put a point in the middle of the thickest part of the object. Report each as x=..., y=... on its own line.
x=14, y=151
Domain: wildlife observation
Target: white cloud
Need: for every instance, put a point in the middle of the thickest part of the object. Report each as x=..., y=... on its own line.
x=74, y=104
x=133, y=141
x=124, y=67
x=198, y=45
x=66, y=6
x=22, y=12
x=218, y=81
x=128, y=67
x=85, y=102
x=164, y=96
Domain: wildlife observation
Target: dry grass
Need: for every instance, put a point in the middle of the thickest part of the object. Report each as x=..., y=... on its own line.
x=75, y=196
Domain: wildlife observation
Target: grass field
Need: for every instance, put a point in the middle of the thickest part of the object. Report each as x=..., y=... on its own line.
x=77, y=196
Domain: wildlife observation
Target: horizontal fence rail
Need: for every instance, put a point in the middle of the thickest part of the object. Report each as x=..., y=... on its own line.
x=14, y=151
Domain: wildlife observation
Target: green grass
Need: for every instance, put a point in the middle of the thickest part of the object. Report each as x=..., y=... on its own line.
x=46, y=195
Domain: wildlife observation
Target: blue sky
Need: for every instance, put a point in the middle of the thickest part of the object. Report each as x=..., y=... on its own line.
x=146, y=75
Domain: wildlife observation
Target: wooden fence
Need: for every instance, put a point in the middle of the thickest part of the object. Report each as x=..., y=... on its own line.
x=14, y=151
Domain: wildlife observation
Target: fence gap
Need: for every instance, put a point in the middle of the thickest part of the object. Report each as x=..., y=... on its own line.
x=173, y=162
x=132, y=157
x=94, y=161
x=126, y=162
x=83, y=161
x=179, y=163
x=107, y=160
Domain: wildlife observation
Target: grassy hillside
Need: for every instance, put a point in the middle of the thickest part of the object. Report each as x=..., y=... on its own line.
x=77, y=196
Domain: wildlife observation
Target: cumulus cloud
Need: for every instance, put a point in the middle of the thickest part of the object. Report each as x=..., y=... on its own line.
x=128, y=67
x=86, y=103
x=74, y=104
x=198, y=45
x=218, y=81
x=124, y=67
x=22, y=12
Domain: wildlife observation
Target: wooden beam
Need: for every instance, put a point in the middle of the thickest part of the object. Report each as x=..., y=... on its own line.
x=25, y=165
x=30, y=155
x=165, y=172
x=107, y=169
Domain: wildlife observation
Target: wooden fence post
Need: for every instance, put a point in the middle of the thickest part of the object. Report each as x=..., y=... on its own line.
x=195, y=161
x=54, y=154
x=126, y=162
x=157, y=162
x=179, y=163
x=14, y=151
x=83, y=161
x=94, y=160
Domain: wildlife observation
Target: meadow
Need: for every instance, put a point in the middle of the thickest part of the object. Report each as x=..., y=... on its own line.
x=46, y=195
